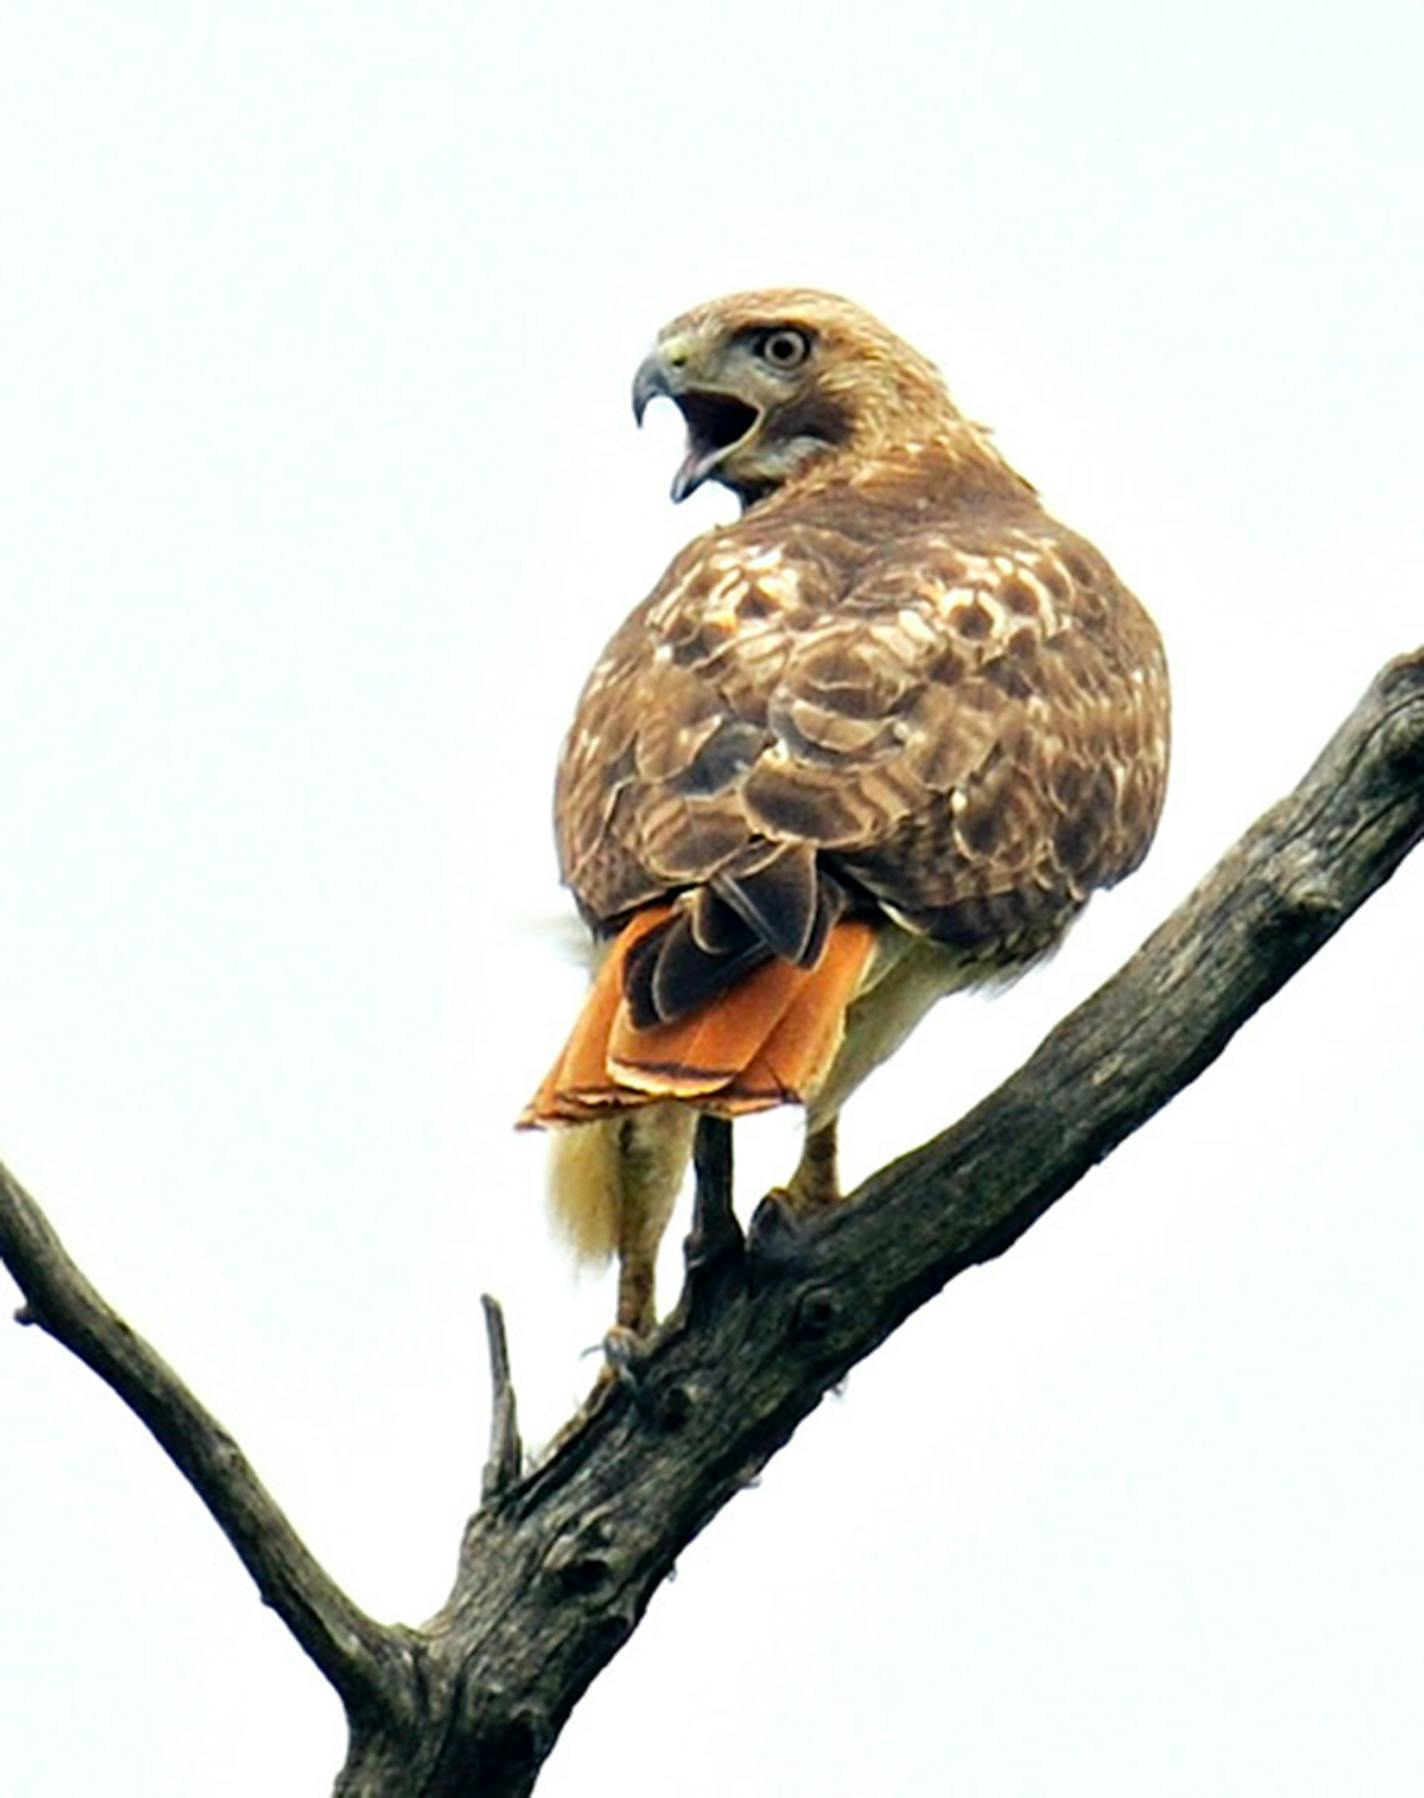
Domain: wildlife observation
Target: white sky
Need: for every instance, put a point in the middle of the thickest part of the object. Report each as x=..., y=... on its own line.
x=320, y=494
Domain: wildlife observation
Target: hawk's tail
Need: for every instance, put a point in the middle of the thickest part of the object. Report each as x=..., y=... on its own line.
x=768, y=1039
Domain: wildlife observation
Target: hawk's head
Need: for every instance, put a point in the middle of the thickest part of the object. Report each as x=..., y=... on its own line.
x=771, y=383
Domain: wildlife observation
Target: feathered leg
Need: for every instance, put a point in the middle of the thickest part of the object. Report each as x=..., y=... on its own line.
x=816, y=1182
x=653, y=1145
x=613, y=1186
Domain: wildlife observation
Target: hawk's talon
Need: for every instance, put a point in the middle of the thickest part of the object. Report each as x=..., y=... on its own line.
x=622, y=1348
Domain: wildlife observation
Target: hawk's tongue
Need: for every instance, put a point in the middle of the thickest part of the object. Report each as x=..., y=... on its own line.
x=694, y=469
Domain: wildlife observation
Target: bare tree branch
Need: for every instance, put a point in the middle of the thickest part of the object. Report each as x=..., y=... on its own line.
x=353, y=1652
x=557, y=1566
x=506, y=1453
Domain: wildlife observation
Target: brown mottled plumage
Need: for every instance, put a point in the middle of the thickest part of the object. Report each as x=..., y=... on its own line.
x=880, y=738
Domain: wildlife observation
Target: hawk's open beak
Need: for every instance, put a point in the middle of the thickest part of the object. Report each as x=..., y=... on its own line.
x=716, y=422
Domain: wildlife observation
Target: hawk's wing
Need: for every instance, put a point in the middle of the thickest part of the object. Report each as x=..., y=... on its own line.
x=963, y=725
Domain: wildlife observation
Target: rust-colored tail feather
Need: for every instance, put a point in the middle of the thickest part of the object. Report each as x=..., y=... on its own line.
x=702, y=1052
x=767, y=1040
x=797, y=1054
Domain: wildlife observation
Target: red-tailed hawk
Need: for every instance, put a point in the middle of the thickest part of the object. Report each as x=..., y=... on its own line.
x=879, y=739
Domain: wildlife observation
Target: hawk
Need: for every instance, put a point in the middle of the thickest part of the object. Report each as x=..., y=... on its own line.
x=878, y=740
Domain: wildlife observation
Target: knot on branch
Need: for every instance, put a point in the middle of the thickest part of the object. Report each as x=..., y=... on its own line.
x=502, y=1750
x=1304, y=899
x=1401, y=745
x=1402, y=678
x=1303, y=903
x=578, y=1561
x=775, y=1238
x=817, y=1313
x=676, y=1406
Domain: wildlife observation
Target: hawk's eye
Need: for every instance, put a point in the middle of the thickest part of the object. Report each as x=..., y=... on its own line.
x=784, y=348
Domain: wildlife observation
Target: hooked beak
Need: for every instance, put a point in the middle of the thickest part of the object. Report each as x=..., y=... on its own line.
x=716, y=422
x=649, y=384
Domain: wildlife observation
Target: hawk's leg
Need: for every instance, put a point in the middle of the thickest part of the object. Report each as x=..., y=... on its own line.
x=653, y=1146
x=816, y=1182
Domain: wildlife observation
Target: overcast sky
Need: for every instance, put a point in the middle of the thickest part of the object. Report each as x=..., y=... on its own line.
x=320, y=495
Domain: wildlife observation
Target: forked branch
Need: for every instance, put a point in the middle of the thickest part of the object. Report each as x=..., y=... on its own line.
x=557, y=1566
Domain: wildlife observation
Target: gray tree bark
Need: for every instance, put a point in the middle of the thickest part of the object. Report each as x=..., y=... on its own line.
x=559, y=1562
